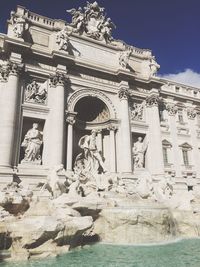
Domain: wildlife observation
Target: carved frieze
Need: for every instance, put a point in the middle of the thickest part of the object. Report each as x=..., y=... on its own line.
x=35, y=93
x=92, y=22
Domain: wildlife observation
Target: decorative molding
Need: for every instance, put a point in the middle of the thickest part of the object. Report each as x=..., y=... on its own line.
x=100, y=80
x=76, y=96
x=186, y=146
x=166, y=143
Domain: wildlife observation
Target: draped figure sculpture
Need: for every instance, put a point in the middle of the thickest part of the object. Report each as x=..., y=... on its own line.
x=90, y=160
x=139, y=149
x=32, y=143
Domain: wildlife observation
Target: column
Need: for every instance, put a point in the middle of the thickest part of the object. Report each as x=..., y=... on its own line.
x=56, y=123
x=70, y=120
x=172, y=110
x=191, y=113
x=154, y=157
x=125, y=133
x=112, y=130
x=10, y=93
x=99, y=140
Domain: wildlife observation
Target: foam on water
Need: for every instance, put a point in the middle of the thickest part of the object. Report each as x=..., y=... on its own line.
x=179, y=253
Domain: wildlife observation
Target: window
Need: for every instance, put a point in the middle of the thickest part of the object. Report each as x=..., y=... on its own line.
x=180, y=115
x=185, y=157
x=166, y=146
x=186, y=148
x=165, y=156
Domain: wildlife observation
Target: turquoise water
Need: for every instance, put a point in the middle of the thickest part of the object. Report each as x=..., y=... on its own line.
x=185, y=253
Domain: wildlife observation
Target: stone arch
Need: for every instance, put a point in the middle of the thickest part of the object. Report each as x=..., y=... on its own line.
x=77, y=95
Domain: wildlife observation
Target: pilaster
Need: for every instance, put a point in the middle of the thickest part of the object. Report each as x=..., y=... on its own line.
x=112, y=129
x=125, y=130
x=191, y=114
x=154, y=156
x=56, y=120
x=172, y=111
x=9, y=109
x=70, y=119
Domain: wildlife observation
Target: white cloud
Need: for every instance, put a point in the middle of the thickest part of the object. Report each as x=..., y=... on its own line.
x=188, y=77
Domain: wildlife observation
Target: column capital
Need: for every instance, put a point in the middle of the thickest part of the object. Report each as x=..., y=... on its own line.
x=152, y=100
x=58, y=78
x=15, y=68
x=112, y=128
x=171, y=109
x=4, y=73
x=191, y=113
x=10, y=68
x=123, y=94
x=70, y=117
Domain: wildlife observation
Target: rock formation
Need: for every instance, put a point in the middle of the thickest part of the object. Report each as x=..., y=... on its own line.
x=58, y=216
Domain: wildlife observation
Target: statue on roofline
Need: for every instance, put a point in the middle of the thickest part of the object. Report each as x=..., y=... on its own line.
x=91, y=21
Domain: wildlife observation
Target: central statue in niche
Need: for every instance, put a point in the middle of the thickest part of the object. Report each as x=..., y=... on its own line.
x=89, y=160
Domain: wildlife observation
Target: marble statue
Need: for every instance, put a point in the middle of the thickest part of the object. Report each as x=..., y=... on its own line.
x=92, y=22
x=154, y=66
x=90, y=159
x=35, y=93
x=139, y=149
x=124, y=58
x=106, y=30
x=32, y=143
x=54, y=185
x=18, y=23
x=77, y=19
x=62, y=39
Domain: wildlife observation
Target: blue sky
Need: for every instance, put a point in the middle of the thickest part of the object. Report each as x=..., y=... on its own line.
x=170, y=28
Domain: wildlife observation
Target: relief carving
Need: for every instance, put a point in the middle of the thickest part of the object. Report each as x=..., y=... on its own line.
x=35, y=93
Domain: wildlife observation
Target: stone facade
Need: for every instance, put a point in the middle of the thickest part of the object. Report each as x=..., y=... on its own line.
x=70, y=79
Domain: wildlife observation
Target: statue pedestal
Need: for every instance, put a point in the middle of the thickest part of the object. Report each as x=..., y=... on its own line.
x=31, y=163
